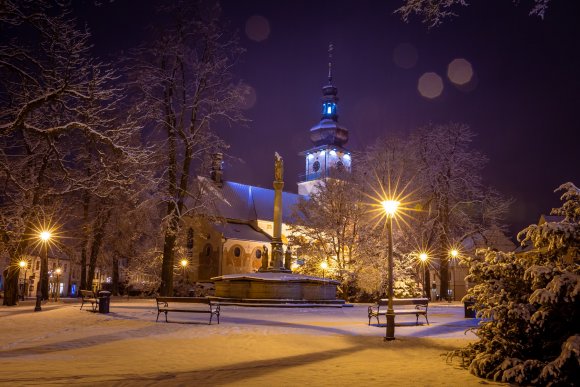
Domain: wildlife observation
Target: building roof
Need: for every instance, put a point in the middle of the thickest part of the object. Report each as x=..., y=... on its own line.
x=242, y=232
x=249, y=203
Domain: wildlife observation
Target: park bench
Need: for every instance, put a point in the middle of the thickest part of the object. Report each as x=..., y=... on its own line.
x=88, y=296
x=168, y=304
x=416, y=306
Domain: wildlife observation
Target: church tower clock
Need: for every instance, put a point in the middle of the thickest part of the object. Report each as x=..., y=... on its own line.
x=328, y=137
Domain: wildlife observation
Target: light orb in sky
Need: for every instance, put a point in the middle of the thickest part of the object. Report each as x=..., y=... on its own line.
x=405, y=56
x=257, y=28
x=460, y=71
x=430, y=85
x=45, y=235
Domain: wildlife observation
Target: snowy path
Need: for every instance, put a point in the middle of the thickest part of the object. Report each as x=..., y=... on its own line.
x=251, y=347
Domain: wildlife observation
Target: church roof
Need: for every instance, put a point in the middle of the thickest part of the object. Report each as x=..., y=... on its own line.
x=248, y=203
x=242, y=232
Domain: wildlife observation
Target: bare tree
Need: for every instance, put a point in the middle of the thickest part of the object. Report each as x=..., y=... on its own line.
x=326, y=227
x=434, y=12
x=185, y=79
x=55, y=98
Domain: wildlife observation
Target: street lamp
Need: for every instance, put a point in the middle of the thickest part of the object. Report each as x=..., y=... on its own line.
x=454, y=253
x=423, y=257
x=390, y=207
x=323, y=266
x=183, y=264
x=42, y=281
x=57, y=287
x=24, y=265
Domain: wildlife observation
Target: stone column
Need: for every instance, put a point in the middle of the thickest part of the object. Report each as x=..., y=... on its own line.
x=277, y=262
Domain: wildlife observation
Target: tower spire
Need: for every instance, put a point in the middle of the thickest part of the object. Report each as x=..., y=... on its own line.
x=330, y=49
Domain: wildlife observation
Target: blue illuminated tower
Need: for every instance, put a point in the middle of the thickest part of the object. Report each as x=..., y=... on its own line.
x=328, y=137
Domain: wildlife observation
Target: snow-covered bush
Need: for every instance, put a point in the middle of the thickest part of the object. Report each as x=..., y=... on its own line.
x=530, y=303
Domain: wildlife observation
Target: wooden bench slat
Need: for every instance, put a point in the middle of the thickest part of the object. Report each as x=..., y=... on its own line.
x=163, y=306
x=380, y=308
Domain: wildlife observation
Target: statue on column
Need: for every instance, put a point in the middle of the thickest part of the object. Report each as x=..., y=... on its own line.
x=278, y=167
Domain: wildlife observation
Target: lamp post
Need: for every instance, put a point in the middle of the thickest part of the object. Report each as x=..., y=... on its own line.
x=424, y=258
x=183, y=264
x=323, y=266
x=454, y=253
x=42, y=283
x=390, y=207
x=24, y=265
x=57, y=287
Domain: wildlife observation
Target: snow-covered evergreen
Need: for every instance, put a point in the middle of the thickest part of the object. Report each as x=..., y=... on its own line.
x=530, y=304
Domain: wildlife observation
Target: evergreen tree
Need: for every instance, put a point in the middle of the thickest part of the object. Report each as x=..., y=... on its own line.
x=530, y=303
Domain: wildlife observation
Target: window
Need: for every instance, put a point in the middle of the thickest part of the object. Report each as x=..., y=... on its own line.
x=258, y=254
x=190, y=238
x=237, y=252
x=207, y=250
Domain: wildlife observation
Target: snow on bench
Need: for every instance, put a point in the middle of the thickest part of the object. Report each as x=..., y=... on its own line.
x=420, y=308
x=166, y=304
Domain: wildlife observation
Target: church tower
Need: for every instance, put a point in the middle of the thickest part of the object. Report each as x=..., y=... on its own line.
x=328, y=138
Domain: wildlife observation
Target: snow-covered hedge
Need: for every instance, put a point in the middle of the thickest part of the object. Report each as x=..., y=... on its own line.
x=530, y=304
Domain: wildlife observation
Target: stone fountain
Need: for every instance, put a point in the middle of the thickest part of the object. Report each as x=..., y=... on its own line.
x=274, y=283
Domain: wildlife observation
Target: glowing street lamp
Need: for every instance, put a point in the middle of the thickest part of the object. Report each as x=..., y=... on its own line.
x=390, y=207
x=323, y=266
x=424, y=257
x=183, y=263
x=454, y=253
x=44, y=237
x=24, y=265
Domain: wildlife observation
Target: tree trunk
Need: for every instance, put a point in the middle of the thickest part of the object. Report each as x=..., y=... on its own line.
x=115, y=284
x=85, y=243
x=168, y=258
x=11, y=275
x=98, y=235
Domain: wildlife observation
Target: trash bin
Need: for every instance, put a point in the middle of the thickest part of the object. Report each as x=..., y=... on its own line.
x=104, y=301
x=469, y=311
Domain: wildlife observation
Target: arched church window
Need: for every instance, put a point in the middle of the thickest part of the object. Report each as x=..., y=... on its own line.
x=237, y=252
x=258, y=254
x=207, y=250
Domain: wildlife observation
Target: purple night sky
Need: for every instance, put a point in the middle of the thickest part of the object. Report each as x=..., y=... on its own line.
x=523, y=101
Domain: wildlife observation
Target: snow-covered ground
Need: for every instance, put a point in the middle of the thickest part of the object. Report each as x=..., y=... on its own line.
x=250, y=347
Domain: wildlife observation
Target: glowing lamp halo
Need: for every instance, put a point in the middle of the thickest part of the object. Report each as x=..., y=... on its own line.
x=390, y=206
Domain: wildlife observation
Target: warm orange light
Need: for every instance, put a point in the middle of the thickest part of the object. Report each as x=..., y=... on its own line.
x=184, y=262
x=423, y=257
x=22, y=264
x=324, y=265
x=390, y=206
x=58, y=271
x=45, y=235
x=454, y=253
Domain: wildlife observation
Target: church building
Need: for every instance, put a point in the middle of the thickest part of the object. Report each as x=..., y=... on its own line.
x=241, y=229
